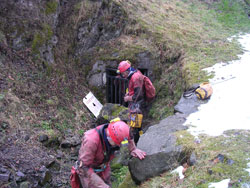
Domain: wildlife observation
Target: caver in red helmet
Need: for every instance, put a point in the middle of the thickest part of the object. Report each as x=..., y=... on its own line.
x=118, y=131
x=123, y=66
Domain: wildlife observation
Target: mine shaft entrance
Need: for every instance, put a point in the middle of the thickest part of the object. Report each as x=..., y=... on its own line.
x=116, y=86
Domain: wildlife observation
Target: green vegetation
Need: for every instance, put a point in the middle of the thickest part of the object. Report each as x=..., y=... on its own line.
x=51, y=7
x=81, y=132
x=207, y=169
x=41, y=38
x=232, y=14
x=192, y=33
x=46, y=125
x=119, y=174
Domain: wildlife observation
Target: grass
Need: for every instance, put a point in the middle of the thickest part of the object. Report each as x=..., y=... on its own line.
x=195, y=35
x=233, y=147
x=190, y=30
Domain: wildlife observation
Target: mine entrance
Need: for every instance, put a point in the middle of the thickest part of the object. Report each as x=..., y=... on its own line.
x=116, y=86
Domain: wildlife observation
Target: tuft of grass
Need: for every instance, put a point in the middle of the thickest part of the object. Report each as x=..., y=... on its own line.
x=46, y=125
x=125, y=180
x=51, y=7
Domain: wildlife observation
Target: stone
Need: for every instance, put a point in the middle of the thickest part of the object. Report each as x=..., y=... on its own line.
x=43, y=138
x=25, y=184
x=71, y=141
x=4, y=125
x=4, y=177
x=163, y=153
x=192, y=159
x=20, y=176
x=26, y=138
x=46, y=177
x=187, y=105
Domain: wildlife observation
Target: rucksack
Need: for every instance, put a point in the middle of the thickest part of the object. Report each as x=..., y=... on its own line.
x=149, y=89
x=203, y=91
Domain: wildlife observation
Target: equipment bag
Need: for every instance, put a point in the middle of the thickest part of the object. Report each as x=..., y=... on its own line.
x=136, y=120
x=202, y=91
x=74, y=178
x=149, y=88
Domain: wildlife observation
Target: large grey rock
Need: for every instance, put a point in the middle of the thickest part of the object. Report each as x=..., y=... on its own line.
x=188, y=105
x=163, y=153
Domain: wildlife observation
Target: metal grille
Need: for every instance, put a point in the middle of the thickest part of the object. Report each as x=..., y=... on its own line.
x=116, y=89
x=116, y=86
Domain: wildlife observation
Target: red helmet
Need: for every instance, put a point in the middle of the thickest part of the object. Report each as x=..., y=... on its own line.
x=123, y=66
x=118, y=131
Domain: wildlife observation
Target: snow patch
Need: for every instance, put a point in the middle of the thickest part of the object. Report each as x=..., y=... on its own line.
x=221, y=184
x=228, y=107
x=179, y=171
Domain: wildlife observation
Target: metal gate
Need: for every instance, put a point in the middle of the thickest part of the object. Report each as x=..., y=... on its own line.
x=116, y=86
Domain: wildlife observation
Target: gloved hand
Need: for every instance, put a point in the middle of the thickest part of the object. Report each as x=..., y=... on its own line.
x=138, y=153
x=127, y=98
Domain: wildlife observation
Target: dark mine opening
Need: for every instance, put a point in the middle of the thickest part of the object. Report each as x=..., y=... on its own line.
x=116, y=86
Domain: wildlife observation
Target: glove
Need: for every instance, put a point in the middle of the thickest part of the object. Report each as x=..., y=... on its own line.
x=127, y=98
x=138, y=153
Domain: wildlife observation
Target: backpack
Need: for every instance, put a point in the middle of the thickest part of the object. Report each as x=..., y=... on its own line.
x=149, y=89
x=202, y=91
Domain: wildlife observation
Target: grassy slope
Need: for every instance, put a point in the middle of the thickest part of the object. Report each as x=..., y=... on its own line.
x=184, y=30
x=198, y=32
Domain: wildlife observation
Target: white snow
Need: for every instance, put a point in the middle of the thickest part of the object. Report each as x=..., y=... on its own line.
x=229, y=106
x=221, y=184
x=248, y=169
x=179, y=171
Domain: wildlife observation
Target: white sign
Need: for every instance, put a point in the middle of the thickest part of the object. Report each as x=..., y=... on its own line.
x=92, y=103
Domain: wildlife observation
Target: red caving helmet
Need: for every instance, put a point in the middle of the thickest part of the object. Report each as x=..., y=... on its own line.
x=118, y=131
x=123, y=66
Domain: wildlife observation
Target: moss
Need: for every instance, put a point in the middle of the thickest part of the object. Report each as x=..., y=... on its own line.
x=47, y=31
x=53, y=140
x=106, y=117
x=127, y=182
x=78, y=6
x=38, y=41
x=117, y=109
x=41, y=38
x=51, y=7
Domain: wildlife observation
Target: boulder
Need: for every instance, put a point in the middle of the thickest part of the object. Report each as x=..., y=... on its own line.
x=111, y=111
x=71, y=141
x=188, y=105
x=163, y=152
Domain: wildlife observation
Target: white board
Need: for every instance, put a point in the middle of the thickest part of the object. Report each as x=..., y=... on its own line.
x=92, y=103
